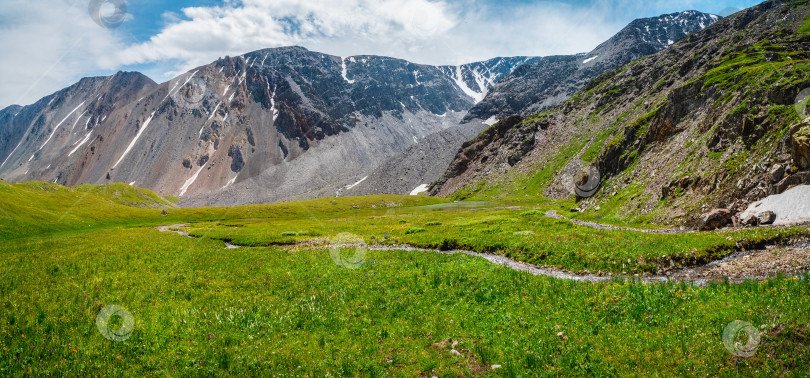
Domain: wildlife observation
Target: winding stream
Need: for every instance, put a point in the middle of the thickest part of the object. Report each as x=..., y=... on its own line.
x=689, y=275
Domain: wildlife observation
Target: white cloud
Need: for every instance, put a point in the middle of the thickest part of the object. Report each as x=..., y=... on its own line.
x=211, y=32
x=46, y=46
x=423, y=31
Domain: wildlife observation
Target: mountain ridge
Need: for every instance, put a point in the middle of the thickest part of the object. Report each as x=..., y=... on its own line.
x=238, y=118
x=708, y=123
x=540, y=83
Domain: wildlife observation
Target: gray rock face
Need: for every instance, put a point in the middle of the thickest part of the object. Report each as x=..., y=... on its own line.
x=547, y=82
x=269, y=125
x=776, y=173
x=418, y=165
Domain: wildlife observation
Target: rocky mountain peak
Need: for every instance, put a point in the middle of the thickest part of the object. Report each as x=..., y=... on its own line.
x=546, y=82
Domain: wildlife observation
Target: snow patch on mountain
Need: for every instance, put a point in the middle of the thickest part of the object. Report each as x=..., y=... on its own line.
x=56, y=128
x=357, y=183
x=345, y=71
x=83, y=141
x=229, y=183
x=137, y=136
x=419, y=190
x=459, y=79
x=190, y=181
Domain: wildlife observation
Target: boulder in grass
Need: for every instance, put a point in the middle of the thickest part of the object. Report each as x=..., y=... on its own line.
x=715, y=219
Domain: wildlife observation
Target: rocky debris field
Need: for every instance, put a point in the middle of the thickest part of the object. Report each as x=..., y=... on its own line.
x=757, y=265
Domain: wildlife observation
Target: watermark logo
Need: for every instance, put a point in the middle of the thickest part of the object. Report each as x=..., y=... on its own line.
x=802, y=101
x=587, y=182
x=728, y=11
x=425, y=25
x=188, y=90
x=108, y=14
x=115, y=323
x=741, y=338
x=348, y=250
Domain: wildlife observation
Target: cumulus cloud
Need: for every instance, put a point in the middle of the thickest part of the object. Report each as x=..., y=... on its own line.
x=206, y=33
x=46, y=45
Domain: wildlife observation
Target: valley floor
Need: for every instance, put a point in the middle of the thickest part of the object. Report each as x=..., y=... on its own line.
x=326, y=287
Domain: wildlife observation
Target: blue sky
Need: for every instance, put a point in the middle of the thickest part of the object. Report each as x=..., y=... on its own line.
x=50, y=45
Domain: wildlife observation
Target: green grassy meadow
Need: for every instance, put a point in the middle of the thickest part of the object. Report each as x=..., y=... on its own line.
x=281, y=306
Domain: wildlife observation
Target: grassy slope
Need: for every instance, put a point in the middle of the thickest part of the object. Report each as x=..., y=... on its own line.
x=203, y=309
x=45, y=208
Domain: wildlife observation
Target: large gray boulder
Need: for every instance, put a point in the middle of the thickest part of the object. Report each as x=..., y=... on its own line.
x=715, y=219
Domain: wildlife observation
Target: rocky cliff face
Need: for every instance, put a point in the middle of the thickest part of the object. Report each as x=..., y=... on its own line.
x=709, y=122
x=547, y=82
x=538, y=84
x=266, y=126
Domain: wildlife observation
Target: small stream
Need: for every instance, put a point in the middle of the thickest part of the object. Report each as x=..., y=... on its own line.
x=689, y=275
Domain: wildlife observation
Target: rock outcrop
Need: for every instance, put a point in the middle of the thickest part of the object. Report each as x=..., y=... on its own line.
x=800, y=142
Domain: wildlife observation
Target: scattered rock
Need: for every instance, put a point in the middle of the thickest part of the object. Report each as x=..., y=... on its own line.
x=792, y=181
x=767, y=217
x=776, y=173
x=164, y=213
x=443, y=343
x=455, y=352
x=562, y=335
x=715, y=219
x=493, y=367
x=753, y=265
x=752, y=221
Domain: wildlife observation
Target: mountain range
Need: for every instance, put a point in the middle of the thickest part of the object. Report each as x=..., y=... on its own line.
x=539, y=84
x=288, y=123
